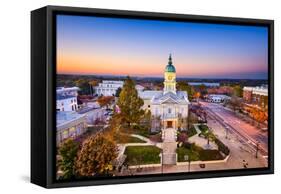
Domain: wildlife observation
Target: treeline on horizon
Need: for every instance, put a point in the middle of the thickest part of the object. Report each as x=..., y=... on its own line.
x=68, y=80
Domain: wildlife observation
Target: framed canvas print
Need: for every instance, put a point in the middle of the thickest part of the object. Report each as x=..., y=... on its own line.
x=126, y=96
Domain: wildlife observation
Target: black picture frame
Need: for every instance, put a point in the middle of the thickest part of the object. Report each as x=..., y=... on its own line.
x=43, y=74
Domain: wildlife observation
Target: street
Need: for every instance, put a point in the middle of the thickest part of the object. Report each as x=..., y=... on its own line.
x=228, y=119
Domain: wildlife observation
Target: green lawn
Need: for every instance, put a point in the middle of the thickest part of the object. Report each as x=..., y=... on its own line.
x=138, y=155
x=122, y=139
x=192, y=155
x=197, y=153
x=139, y=130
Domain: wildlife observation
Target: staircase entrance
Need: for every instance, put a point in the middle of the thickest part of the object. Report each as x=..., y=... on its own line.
x=169, y=146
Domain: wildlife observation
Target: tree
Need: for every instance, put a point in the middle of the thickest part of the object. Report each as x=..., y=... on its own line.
x=85, y=87
x=105, y=100
x=182, y=137
x=146, y=119
x=68, y=151
x=130, y=103
x=94, y=82
x=237, y=91
x=118, y=91
x=203, y=90
x=183, y=86
x=96, y=156
x=235, y=103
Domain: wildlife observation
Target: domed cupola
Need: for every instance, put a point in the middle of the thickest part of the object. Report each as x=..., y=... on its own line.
x=170, y=77
x=170, y=67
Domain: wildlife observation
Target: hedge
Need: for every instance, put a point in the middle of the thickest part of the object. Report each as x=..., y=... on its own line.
x=223, y=148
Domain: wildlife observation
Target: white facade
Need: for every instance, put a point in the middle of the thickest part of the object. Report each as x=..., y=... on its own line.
x=67, y=99
x=108, y=88
x=262, y=90
x=70, y=124
x=217, y=98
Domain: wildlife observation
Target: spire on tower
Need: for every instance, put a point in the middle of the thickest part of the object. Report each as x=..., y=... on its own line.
x=170, y=59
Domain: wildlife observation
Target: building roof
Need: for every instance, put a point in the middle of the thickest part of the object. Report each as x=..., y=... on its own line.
x=179, y=98
x=68, y=118
x=158, y=97
x=149, y=94
x=63, y=97
x=63, y=89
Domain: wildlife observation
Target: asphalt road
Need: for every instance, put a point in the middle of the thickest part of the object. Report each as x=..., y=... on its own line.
x=247, y=133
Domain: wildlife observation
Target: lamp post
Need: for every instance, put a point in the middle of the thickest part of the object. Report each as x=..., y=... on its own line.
x=257, y=150
x=162, y=168
x=186, y=158
x=226, y=132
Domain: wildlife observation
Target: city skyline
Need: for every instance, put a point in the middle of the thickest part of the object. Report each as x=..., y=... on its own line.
x=109, y=46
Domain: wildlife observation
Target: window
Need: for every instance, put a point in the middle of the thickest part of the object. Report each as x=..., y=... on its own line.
x=169, y=110
x=65, y=134
x=148, y=106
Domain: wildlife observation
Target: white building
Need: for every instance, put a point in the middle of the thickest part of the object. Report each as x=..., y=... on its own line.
x=217, y=98
x=108, y=88
x=67, y=99
x=170, y=105
x=70, y=124
x=139, y=88
x=207, y=84
x=256, y=95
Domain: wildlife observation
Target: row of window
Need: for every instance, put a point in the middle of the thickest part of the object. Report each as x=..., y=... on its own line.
x=73, y=108
x=105, y=90
x=71, y=101
x=110, y=86
x=71, y=132
x=169, y=110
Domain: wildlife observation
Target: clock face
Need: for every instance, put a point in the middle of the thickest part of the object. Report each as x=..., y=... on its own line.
x=170, y=77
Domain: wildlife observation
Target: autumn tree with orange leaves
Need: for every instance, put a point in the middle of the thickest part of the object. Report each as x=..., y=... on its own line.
x=97, y=156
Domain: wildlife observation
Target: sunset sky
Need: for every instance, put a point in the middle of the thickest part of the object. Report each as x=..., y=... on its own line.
x=110, y=46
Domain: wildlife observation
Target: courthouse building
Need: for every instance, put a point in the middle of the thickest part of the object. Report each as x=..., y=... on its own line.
x=169, y=105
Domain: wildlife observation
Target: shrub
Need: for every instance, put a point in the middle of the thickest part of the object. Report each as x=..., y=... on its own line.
x=182, y=137
x=223, y=148
x=205, y=155
x=191, y=131
x=204, y=128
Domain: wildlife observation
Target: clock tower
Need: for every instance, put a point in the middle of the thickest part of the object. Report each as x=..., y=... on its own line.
x=170, y=77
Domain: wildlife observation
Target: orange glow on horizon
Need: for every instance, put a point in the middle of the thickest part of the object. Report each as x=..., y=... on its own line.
x=85, y=63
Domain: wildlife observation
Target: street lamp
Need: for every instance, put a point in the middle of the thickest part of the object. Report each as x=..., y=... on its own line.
x=162, y=153
x=226, y=132
x=187, y=158
x=257, y=150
